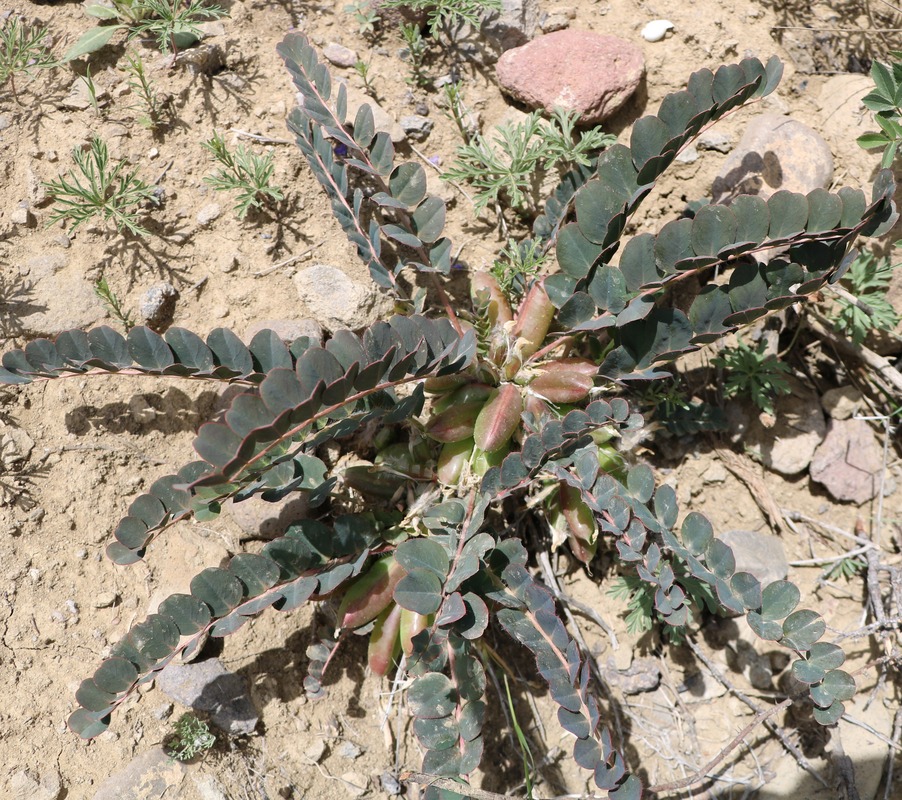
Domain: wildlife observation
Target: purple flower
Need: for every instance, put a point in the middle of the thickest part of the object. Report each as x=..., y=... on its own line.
x=340, y=150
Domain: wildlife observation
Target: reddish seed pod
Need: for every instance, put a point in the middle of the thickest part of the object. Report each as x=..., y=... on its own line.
x=370, y=594
x=443, y=383
x=455, y=423
x=411, y=624
x=583, y=536
x=499, y=418
x=384, y=644
x=485, y=292
x=534, y=319
x=452, y=460
x=561, y=383
x=468, y=393
x=537, y=407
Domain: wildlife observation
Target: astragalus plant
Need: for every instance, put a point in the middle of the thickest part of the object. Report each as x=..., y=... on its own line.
x=464, y=414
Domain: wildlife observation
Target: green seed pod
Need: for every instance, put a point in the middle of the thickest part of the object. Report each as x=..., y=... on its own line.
x=468, y=393
x=370, y=594
x=411, y=624
x=499, y=418
x=534, y=319
x=486, y=293
x=452, y=460
x=371, y=481
x=385, y=646
x=483, y=462
x=455, y=423
x=444, y=383
x=579, y=516
x=404, y=459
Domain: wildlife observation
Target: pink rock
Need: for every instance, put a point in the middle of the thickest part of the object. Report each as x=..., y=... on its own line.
x=849, y=461
x=580, y=71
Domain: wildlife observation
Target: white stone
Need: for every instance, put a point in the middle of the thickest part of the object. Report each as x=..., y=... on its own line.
x=656, y=30
x=209, y=213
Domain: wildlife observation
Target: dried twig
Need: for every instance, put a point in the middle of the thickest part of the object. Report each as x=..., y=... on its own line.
x=890, y=756
x=290, y=259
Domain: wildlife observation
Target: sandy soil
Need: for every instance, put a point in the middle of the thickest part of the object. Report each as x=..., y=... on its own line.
x=75, y=451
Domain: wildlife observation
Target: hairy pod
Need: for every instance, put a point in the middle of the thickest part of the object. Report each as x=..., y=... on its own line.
x=562, y=383
x=412, y=624
x=486, y=293
x=455, y=423
x=384, y=644
x=441, y=384
x=373, y=481
x=468, y=393
x=452, y=460
x=533, y=320
x=581, y=522
x=499, y=418
x=370, y=594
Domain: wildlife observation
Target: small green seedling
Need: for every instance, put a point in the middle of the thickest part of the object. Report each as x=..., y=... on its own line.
x=362, y=68
x=510, y=167
x=23, y=49
x=192, y=737
x=448, y=15
x=518, y=265
x=244, y=172
x=150, y=105
x=99, y=188
x=866, y=308
x=885, y=100
x=753, y=374
x=416, y=48
x=364, y=15
x=109, y=298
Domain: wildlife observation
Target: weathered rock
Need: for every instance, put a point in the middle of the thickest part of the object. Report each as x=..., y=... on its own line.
x=26, y=785
x=514, y=25
x=209, y=687
x=382, y=120
x=643, y=675
x=355, y=783
x=208, y=214
x=416, y=126
x=287, y=329
x=761, y=554
x=157, y=306
x=349, y=750
x=842, y=402
x=339, y=55
x=338, y=301
x=256, y=517
x=788, y=446
x=550, y=72
x=79, y=97
x=775, y=153
x=53, y=299
x=151, y=774
x=390, y=784
x=21, y=215
x=849, y=461
x=714, y=140
x=557, y=19
x=205, y=59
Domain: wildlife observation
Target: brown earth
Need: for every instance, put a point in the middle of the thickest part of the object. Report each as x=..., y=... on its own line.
x=75, y=451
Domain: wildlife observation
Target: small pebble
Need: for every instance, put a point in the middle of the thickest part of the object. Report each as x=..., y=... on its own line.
x=316, y=751
x=105, y=600
x=349, y=750
x=390, y=784
x=656, y=30
x=355, y=783
x=340, y=55
x=209, y=213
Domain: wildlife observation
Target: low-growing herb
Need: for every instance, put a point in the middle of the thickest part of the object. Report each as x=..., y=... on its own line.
x=24, y=49
x=753, y=373
x=244, y=172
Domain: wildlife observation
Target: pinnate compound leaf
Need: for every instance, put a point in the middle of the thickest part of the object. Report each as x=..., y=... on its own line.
x=630, y=789
x=429, y=219
x=87, y=724
x=423, y=553
x=432, y=696
x=436, y=734
x=190, y=350
x=641, y=482
x=779, y=599
x=218, y=588
x=149, y=349
x=419, y=591
x=256, y=572
x=720, y=559
x=747, y=589
x=408, y=183
x=93, y=698
x=806, y=672
x=769, y=630
x=801, y=629
x=109, y=348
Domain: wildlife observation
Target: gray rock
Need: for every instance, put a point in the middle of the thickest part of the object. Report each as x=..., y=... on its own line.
x=209, y=213
x=355, y=783
x=714, y=140
x=842, y=402
x=550, y=72
x=287, y=329
x=775, y=153
x=788, y=446
x=339, y=55
x=256, y=517
x=157, y=306
x=21, y=215
x=338, y=301
x=514, y=25
x=849, y=462
x=26, y=785
x=79, y=97
x=149, y=774
x=761, y=554
x=349, y=750
x=315, y=751
x=390, y=784
x=643, y=675
x=688, y=156
x=416, y=126
x=209, y=687
x=557, y=19
x=56, y=299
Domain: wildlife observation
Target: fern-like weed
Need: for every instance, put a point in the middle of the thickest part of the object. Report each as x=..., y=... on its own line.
x=245, y=172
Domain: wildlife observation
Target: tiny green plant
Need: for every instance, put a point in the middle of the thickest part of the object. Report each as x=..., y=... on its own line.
x=753, y=373
x=885, y=100
x=150, y=105
x=23, y=50
x=113, y=303
x=362, y=68
x=92, y=92
x=175, y=24
x=518, y=265
x=191, y=738
x=529, y=763
x=510, y=167
x=416, y=53
x=458, y=111
x=865, y=307
x=100, y=188
x=364, y=15
x=245, y=172
x=447, y=15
